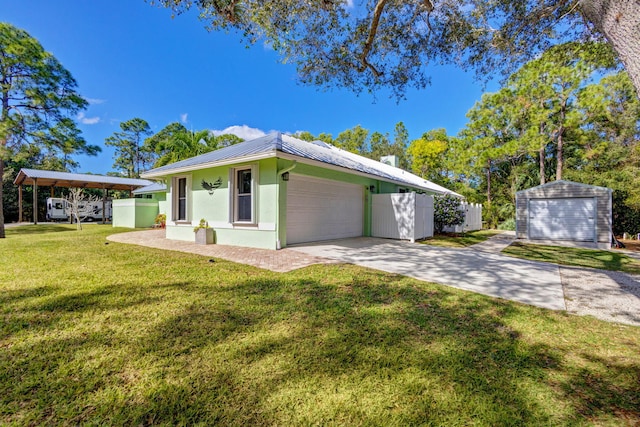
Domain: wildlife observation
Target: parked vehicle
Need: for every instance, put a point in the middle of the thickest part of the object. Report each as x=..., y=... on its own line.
x=58, y=209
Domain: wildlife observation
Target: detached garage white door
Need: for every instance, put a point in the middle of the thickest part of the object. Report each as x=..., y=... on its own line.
x=562, y=219
x=321, y=209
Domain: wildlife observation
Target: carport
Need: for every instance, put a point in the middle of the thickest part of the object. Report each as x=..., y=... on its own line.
x=43, y=178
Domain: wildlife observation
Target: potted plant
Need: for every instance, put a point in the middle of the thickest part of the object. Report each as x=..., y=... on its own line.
x=204, y=233
x=160, y=221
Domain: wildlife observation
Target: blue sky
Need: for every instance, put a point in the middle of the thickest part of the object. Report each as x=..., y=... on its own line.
x=131, y=59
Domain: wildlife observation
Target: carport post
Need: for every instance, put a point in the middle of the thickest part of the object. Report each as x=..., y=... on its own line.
x=20, y=203
x=104, y=203
x=35, y=201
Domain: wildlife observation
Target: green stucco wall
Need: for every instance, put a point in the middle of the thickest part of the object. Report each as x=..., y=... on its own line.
x=134, y=213
x=214, y=207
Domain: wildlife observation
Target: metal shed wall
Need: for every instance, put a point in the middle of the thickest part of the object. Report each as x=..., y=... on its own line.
x=564, y=190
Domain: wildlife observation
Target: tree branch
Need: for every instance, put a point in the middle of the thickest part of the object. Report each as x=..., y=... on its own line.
x=377, y=12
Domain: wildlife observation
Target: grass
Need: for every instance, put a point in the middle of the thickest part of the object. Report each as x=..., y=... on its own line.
x=460, y=240
x=116, y=334
x=577, y=257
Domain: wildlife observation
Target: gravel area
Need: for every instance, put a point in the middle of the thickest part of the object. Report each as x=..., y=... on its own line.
x=608, y=295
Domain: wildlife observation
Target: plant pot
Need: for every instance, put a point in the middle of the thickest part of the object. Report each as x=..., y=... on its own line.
x=204, y=236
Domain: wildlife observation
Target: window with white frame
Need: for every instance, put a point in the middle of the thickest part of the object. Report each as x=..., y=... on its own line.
x=180, y=198
x=243, y=203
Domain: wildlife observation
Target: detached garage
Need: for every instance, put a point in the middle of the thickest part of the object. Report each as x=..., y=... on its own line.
x=565, y=211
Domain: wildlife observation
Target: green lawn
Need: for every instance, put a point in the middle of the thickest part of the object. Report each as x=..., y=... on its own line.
x=460, y=240
x=577, y=257
x=92, y=333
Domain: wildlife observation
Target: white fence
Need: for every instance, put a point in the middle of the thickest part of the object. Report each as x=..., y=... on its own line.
x=473, y=219
x=405, y=216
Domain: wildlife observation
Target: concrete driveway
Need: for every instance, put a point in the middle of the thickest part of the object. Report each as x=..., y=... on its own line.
x=478, y=268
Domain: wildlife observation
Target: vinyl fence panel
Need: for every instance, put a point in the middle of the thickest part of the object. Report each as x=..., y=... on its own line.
x=403, y=216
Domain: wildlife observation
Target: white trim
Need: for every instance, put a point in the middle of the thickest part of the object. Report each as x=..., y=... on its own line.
x=174, y=199
x=263, y=226
x=233, y=196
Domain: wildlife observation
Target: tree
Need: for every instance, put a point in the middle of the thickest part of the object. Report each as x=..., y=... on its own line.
x=75, y=199
x=429, y=155
x=175, y=142
x=354, y=140
x=400, y=145
x=447, y=212
x=38, y=101
x=387, y=43
x=227, y=139
x=547, y=88
x=379, y=146
x=131, y=155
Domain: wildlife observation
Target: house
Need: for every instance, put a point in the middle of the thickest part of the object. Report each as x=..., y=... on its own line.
x=565, y=211
x=277, y=190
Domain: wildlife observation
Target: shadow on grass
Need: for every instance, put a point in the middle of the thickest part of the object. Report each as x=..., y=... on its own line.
x=323, y=345
x=39, y=229
x=590, y=258
x=368, y=351
x=459, y=240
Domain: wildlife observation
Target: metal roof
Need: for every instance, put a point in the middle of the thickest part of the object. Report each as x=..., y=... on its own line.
x=564, y=182
x=272, y=144
x=80, y=180
x=156, y=187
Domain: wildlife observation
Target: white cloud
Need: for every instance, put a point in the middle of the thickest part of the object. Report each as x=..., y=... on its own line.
x=183, y=118
x=95, y=101
x=87, y=120
x=245, y=132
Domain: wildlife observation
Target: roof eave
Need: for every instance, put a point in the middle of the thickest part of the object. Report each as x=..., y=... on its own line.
x=162, y=173
x=318, y=163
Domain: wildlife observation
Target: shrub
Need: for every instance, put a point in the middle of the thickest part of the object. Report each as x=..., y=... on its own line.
x=447, y=212
x=509, y=224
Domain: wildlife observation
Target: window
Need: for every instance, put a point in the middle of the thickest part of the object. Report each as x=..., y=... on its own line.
x=179, y=193
x=243, y=195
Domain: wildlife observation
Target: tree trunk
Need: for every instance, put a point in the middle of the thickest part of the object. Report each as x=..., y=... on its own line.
x=560, y=141
x=541, y=157
x=1, y=200
x=619, y=21
x=559, y=158
x=489, y=182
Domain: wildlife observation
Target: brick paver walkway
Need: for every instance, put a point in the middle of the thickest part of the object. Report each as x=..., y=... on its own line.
x=280, y=261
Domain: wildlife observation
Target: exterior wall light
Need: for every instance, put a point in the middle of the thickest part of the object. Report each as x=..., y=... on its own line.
x=285, y=176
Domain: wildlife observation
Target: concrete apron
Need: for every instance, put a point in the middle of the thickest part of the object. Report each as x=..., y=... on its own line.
x=485, y=272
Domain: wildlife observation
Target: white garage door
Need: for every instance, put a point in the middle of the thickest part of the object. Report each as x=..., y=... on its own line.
x=562, y=219
x=321, y=209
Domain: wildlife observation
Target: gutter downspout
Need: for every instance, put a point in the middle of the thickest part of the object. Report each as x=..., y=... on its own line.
x=278, y=175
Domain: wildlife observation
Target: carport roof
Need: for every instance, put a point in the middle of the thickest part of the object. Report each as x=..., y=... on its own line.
x=285, y=146
x=79, y=180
